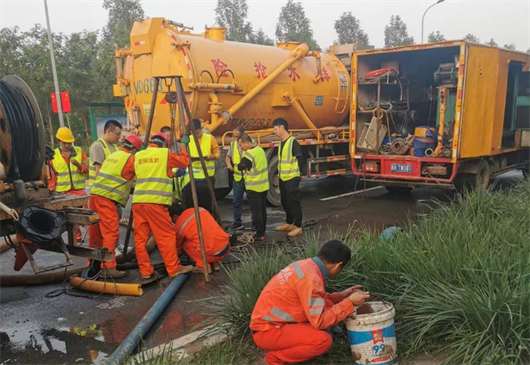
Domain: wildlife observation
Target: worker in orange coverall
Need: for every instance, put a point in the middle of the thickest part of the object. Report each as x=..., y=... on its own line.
x=110, y=189
x=293, y=309
x=216, y=240
x=71, y=165
x=153, y=194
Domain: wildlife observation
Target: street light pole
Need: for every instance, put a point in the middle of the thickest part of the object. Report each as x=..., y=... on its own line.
x=54, y=70
x=423, y=18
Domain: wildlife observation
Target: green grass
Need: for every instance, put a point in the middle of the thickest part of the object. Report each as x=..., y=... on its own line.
x=459, y=279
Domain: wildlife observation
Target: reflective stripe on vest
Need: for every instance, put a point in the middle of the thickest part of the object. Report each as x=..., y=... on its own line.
x=257, y=179
x=153, y=185
x=92, y=169
x=188, y=220
x=288, y=164
x=206, y=148
x=236, y=159
x=109, y=183
x=68, y=175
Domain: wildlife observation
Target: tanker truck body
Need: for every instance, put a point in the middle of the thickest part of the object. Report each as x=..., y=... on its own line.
x=228, y=84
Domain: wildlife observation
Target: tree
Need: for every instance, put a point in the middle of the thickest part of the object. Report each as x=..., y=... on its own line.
x=122, y=14
x=435, y=37
x=396, y=33
x=492, y=43
x=349, y=30
x=294, y=26
x=528, y=51
x=471, y=38
x=510, y=46
x=261, y=38
x=232, y=14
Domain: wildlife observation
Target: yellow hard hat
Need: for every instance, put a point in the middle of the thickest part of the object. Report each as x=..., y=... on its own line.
x=65, y=135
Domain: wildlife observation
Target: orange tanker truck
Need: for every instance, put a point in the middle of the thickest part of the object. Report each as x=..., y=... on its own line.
x=229, y=84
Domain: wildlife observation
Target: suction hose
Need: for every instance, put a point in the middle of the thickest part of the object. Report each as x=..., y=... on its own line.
x=138, y=333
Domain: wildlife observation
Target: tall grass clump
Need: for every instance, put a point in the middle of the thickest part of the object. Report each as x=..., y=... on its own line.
x=459, y=278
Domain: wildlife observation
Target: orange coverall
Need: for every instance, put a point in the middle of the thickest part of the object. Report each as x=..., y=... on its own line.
x=292, y=312
x=106, y=233
x=155, y=218
x=216, y=240
x=81, y=192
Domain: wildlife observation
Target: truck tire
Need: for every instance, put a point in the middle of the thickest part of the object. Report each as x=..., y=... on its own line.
x=483, y=176
x=274, y=180
x=398, y=190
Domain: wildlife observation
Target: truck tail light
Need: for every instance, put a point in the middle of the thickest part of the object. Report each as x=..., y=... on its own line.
x=370, y=167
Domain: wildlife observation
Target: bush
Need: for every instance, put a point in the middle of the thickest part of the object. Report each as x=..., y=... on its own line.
x=459, y=279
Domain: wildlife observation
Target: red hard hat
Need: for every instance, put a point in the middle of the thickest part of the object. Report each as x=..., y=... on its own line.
x=161, y=135
x=134, y=140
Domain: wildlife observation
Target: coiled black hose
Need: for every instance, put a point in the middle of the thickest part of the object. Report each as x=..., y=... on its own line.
x=23, y=132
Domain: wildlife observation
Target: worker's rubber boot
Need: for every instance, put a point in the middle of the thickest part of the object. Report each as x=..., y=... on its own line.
x=285, y=227
x=199, y=270
x=217, y=267
x=295, y=232
x=182, y=270
x=112, y=273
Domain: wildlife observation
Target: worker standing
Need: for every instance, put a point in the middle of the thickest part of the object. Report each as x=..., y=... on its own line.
x=111, y=189
x=103, y=147
x=233, y=158
x=71, y=165
x=210, y=150
x=256, y=174
x=152, y=196
x=293, y=309
x=216, y=240
x=290, y=163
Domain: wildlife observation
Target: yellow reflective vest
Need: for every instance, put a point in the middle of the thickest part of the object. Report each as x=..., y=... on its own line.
x=206, y=148
x=257, y=179
x=92, y=169
x=287, y=164
x=109, y=183
x=153, y=185
x=68, y=175
x=236, y=159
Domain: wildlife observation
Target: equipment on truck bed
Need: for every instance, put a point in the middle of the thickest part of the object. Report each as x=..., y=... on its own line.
x=28, y=208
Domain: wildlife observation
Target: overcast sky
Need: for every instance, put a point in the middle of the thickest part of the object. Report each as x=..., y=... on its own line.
x=506, y=21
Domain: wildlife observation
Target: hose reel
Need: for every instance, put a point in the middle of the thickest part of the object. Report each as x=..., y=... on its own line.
x=41, y=225
x=22, y=136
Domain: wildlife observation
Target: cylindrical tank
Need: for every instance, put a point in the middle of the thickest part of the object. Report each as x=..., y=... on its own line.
x=159, y=49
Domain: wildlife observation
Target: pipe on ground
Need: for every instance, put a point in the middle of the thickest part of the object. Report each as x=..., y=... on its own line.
x=39, y=279
x=138, y=333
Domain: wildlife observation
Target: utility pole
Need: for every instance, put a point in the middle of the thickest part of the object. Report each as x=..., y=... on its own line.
x=54, y=70
x=423, y=18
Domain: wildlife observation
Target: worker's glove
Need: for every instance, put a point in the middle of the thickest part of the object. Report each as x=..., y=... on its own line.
x=185, y=140
x=181, y=172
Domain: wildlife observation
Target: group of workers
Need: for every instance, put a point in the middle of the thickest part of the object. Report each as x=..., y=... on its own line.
x=111, y=173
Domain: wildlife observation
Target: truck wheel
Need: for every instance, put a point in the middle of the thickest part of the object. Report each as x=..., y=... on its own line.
x=274, y=179
x=398, y=189
x=483, y=176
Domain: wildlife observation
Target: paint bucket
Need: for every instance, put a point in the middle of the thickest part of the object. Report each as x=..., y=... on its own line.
x=372, y=335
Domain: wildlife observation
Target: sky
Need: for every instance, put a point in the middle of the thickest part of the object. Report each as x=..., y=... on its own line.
x=507, y=21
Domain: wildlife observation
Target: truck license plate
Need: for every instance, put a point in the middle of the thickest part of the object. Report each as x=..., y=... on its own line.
x=400, y=168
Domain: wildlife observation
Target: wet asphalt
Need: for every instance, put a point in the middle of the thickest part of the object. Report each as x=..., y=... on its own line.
x=36, y=329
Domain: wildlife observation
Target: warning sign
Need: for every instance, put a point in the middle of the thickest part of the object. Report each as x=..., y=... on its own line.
x=319, y=100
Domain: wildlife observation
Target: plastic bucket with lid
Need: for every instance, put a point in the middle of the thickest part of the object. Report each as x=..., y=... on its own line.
x=372, y=335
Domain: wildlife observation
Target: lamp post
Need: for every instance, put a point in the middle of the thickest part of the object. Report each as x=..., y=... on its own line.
x=54, y=70
x=423, y=18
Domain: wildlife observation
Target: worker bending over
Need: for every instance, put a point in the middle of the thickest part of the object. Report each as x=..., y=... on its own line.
x=233, y=158
x=210, y=151
x=293, y=309
x=110, y=189
x=71, y=165
x=103, y=147
x=152, y=196
x=290, y=163
x=216, y=240
x=256, y=174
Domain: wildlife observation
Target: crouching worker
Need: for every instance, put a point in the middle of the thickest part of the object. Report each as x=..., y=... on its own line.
x=216, y=240
x=112, y=188
x=293, y=309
